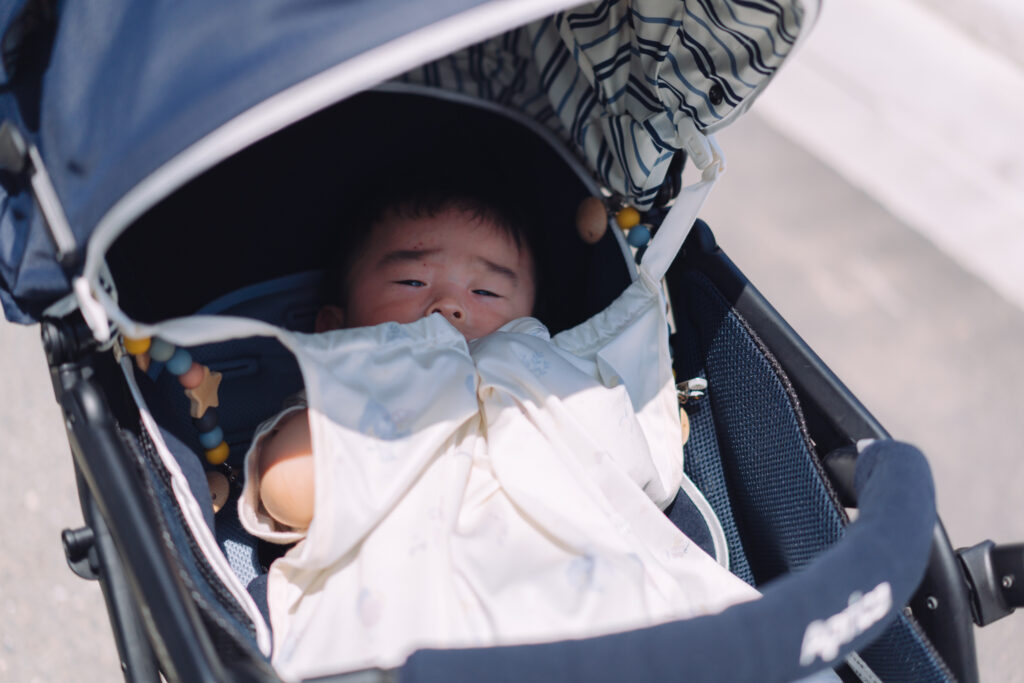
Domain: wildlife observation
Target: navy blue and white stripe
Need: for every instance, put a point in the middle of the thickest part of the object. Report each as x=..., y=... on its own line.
x=618, y=78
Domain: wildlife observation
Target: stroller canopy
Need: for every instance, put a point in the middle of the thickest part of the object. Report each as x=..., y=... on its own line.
x=127, y=101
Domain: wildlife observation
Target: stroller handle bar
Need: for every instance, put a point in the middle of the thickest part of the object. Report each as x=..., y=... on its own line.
x=805, y=621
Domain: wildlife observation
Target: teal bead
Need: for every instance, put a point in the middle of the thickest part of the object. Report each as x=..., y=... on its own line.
x=638, y=236
x=211, y=438
x=180, y=362
x=160, y=350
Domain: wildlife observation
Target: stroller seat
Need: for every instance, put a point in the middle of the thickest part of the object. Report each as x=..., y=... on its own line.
x=749, y=450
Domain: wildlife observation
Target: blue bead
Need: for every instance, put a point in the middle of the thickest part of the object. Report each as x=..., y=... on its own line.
x=638, y=236
x=180, y=362
x=160, y=350
x=212, y=438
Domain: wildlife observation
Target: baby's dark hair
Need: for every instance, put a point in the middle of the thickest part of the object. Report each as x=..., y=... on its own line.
x=483, y=204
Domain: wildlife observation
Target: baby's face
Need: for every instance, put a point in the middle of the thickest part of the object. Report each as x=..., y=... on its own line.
x=455, y=264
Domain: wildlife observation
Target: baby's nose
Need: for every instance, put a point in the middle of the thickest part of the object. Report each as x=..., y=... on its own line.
x=451, y=308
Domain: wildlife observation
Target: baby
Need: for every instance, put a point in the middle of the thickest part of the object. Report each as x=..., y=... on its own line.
x=461, y=478
x=459, y=258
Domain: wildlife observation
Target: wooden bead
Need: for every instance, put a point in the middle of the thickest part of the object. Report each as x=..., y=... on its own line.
x=142, y=360
x=218, y=454
x=193, y=377
x=161, y=351
x=685, y=420
x=136, y=346
x=627, y=217
x=591, y=220
x=220, y=489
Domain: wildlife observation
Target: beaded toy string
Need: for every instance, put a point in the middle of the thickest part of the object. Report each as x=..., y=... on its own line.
x=200, y=383
x=592, y=222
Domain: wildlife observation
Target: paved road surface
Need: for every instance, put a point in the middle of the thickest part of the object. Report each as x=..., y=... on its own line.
x=53, y=625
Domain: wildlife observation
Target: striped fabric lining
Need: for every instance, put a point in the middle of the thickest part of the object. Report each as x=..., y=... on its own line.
x=620, y=78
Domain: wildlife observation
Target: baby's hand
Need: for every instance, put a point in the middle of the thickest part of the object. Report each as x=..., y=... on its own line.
x=286, y=472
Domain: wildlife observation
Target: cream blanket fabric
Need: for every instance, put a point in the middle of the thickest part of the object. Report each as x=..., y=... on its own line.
x=505, y=490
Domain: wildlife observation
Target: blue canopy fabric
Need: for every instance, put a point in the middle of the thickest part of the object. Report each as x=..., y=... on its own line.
x=110, y=91
x=129, y=84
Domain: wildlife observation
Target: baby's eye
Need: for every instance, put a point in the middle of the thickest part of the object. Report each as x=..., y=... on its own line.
x=485, y=292
x=411, y=283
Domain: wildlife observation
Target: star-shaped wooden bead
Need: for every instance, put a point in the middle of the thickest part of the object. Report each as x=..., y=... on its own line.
x=204, y=395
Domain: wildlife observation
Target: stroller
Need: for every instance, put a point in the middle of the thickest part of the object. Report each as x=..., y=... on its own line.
x=151, y=156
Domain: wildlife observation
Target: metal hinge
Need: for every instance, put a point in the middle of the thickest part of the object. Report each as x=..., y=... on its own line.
x=692, y=389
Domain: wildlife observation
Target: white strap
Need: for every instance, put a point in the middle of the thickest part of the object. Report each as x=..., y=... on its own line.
x=92, y=310
x=676, y=225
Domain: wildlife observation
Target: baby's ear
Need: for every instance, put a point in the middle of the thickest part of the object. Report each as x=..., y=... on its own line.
x=330, y=318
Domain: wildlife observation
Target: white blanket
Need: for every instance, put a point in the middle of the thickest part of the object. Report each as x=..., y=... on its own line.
x=506, y=490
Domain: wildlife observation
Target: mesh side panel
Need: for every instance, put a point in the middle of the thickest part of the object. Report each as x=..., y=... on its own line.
x=904, y=653
x=702, y=460
x=236, y=543
x=233, y=633
x=785, y=512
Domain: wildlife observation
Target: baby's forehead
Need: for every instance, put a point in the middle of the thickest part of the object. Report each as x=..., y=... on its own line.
x=452, y=227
